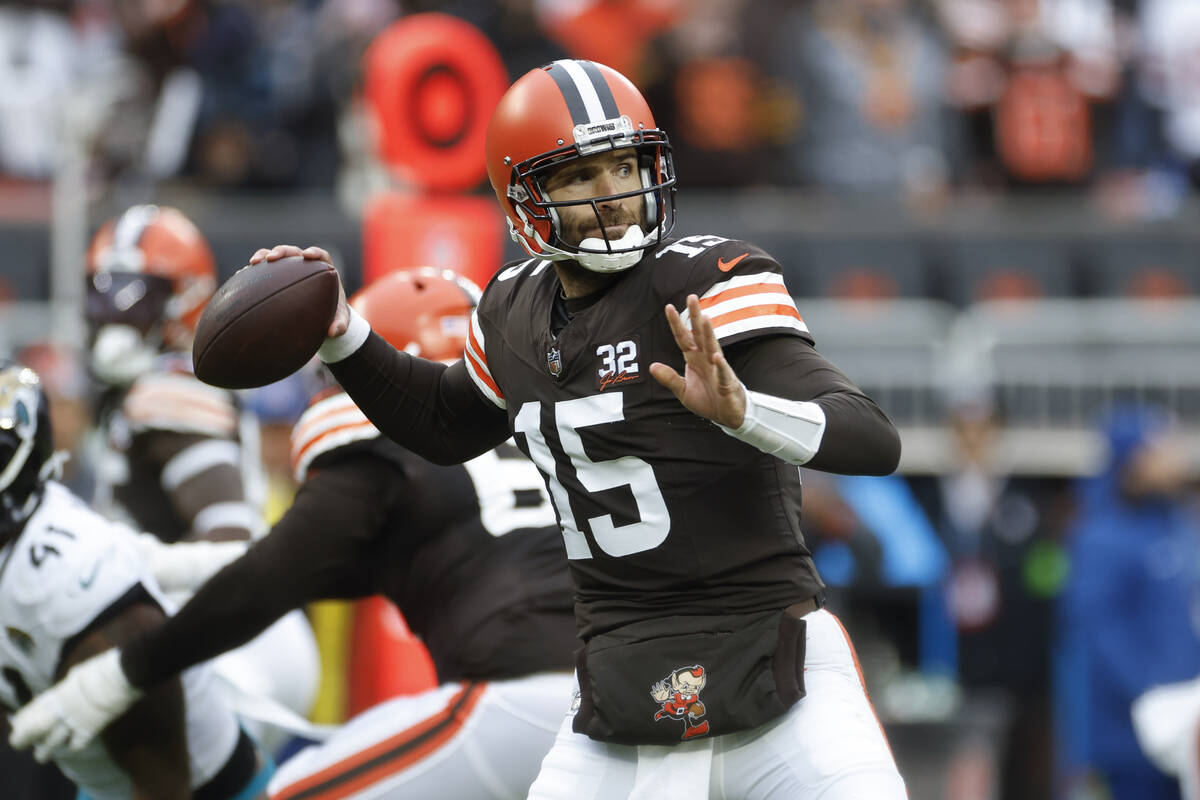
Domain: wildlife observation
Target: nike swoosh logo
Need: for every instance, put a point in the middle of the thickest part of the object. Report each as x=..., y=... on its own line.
x=86, y=583
x=725, y=266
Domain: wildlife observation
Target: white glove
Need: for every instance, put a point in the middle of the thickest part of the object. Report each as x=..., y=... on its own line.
x=72, y=712
x=184, y=566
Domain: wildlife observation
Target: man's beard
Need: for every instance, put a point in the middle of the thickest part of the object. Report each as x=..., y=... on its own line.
x=609, y=220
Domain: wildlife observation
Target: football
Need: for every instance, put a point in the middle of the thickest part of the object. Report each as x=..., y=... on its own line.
x=265, y=322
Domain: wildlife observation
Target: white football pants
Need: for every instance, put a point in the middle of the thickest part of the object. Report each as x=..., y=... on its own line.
x=458, y=741
x=828, y=746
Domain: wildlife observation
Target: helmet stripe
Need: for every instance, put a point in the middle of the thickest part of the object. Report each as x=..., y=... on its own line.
x=126, y=235
x=588, y=97
x=570, y=92
x=608, y=103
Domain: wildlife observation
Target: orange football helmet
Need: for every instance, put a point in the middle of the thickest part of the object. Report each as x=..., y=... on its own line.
x=564, y=111
x=150, y=273
x=424, y=311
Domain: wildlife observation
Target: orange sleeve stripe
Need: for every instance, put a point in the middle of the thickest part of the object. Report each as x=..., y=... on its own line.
x=390, y=756
x=744, y=291
x=310, y=420
x=481, y=372
x=755, y=311
x=309, y=445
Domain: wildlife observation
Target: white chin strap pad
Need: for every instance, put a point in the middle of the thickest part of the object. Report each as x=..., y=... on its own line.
x=790, y=430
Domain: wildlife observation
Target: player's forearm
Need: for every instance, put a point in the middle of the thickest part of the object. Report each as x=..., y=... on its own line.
x=857, y=438
x=317, y=550
x=229, y=610
x=427, y=407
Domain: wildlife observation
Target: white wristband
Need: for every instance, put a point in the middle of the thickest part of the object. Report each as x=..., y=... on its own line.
x=790, y=430
x=340, y=347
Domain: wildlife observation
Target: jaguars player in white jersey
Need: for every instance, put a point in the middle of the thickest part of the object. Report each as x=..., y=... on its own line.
x=73, y=585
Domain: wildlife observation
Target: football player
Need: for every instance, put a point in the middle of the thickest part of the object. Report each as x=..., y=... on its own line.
x=73, y=585
x=470, y=554
x=179, y=456
x=667, y=389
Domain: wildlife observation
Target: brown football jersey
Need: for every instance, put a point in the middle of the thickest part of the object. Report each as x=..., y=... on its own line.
x=662, y=512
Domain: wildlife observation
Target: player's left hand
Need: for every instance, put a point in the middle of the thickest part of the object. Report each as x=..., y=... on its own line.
x=708, y=386
x=70, y=714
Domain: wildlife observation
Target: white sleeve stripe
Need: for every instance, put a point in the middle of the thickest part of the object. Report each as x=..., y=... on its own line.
x=475, y=346
x=487, y=390
x=180, y=392
x=744, y=280
x=477, y=366
x=330, y=441
x=747, y=301
x=764, y=322
x=330, y=423
x=232, y=514
x=191, y=461
x=194, y=421
x=311, y=425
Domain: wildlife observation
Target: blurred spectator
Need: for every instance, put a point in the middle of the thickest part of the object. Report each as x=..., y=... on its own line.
x=726, y=118
x=45, y=55
x=1130, y=613
x=613, y=32
x=1028, y=75
x=1163, y=114
x=1005, y=570
x=870, y=74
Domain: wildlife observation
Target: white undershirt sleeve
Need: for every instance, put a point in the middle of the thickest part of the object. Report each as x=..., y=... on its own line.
x=790, y=430
x=338, y=348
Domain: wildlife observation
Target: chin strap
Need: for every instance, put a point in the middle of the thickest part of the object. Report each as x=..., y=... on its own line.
x=790, y=430
x=596, y=260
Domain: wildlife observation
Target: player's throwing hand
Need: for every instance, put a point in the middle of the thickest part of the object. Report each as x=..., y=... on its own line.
x=341, y=317
x=708, y=387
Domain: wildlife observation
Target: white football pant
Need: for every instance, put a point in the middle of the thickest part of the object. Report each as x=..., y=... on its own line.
x=458, y=741
x=828, y=746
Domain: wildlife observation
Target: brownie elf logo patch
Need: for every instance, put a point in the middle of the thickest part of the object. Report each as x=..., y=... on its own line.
x=678, y=697
x=617, y=364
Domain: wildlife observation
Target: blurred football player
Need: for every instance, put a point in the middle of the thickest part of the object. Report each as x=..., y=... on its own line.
x=73, y=585
x=179, y=456
x=470, y=554
x=666, y=388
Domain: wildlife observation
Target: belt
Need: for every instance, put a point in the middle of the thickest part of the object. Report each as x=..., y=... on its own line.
x=805, y=607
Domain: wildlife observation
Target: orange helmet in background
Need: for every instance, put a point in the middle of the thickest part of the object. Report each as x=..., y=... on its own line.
x=564, y=111
x=150, y=273
x=423, y=311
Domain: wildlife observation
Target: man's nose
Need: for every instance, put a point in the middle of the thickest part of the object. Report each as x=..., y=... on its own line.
x=606, y=185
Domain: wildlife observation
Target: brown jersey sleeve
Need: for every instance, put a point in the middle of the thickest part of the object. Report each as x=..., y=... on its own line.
x=859, y=438
x=320, y=548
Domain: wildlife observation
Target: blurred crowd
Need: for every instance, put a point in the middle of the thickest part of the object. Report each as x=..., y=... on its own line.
x=915, y=98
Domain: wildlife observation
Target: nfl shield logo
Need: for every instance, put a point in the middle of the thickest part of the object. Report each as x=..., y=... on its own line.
x=554, y=362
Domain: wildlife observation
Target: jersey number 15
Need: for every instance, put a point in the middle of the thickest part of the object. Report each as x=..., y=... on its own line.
x=596, y=476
